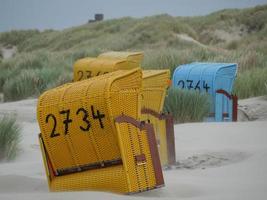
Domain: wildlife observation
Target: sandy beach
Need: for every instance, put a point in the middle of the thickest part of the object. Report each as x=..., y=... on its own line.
x=215, y=161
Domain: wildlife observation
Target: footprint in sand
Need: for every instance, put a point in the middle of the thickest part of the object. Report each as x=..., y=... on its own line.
x=212, y=159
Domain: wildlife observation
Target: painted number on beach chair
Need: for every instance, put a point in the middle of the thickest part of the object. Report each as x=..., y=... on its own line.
x=67, y=120
x=88, y=74
x=53, y=132
x=85, y=119
x=84, y=122
x=190, y=84
x=99, y=116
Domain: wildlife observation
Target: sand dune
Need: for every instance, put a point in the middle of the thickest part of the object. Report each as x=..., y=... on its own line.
x=214, y=161
x=253, y=109
x=8, y=52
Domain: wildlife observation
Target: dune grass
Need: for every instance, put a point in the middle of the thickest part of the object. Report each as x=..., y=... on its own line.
x=22, y=86
x=187, y=105
x=29, y=74
x=16, y=37
x=251, y=83
x=10, y=137
x=45, y=58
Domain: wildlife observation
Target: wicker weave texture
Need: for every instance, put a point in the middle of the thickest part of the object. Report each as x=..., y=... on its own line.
x=78, y=130
x=90, y=67
x=133, y=59
x=107, y=62
x=155, y=83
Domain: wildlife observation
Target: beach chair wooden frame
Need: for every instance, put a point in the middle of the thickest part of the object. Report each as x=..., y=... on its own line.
x=92, y=137
x=154, y=86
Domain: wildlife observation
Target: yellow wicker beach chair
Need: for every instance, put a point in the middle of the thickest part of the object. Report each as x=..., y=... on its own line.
x=92, y=137
x=107, y=62
x=133, y=59
x=89, y=67
x=155, y=84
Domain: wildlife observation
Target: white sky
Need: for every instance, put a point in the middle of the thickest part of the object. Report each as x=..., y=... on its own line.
x=59, y=14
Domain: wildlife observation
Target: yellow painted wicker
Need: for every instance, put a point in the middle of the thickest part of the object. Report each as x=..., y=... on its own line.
x=155, y=83
x=133, y=59
x=89, y=67
x=107, y=62
x=87, y=145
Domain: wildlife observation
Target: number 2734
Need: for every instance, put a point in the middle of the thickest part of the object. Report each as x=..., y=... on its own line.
x=85, y=123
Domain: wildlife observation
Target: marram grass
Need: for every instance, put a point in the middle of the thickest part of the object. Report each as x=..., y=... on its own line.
x=10, y=137
x=166, y=41
x=187, y=105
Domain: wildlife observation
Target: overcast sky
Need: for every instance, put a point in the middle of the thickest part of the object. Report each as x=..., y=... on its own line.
x=59, y=14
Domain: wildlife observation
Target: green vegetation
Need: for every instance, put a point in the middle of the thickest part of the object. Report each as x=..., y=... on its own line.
x=44, y=59
x=9, y=138
x=251, y=83
x=29, y=74
x=187, y=105
x=16, y=37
